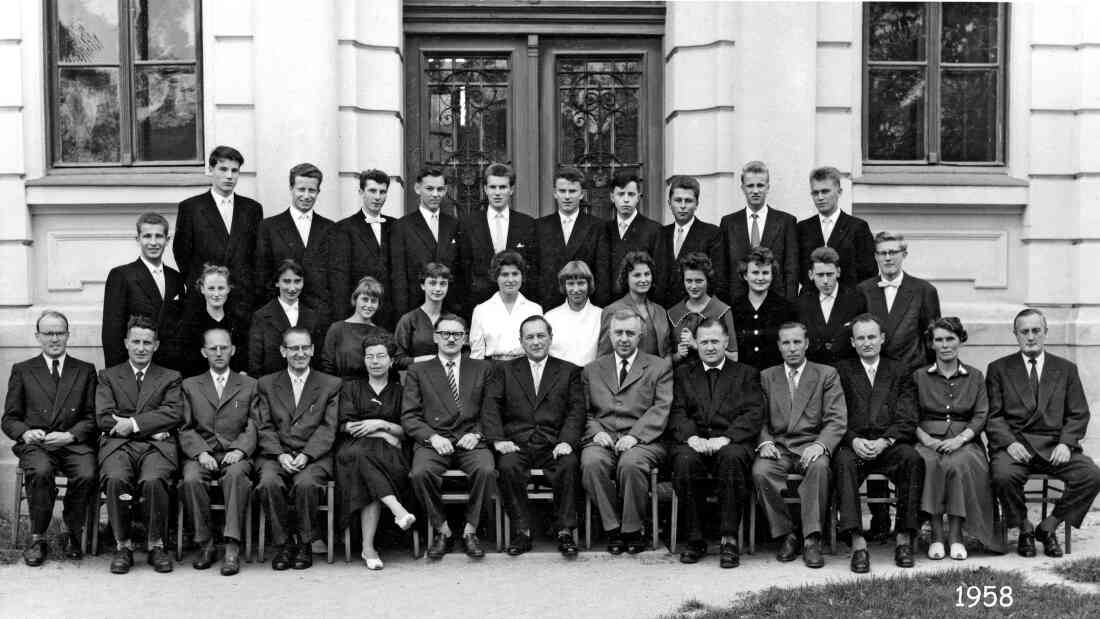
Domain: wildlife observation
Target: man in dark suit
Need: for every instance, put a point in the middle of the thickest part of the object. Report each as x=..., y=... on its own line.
x=805, y=422
x=301, y=234
x=138, y=408
x=568, y=235
x=534, y=416
x=882, y=421
x=1038, y=415
x=295, y=414
x=218, y=438
x=500, y=228
x=144, y=287
x=628, y=231
x=425, y=235
x=219, y=227
x=826, y=308
x=717, y=414
x=687, y=234
x=442, y=413
x=49, y=411
x=361, y=247
x=629, y=394
x=759, y=224
x=832, y=227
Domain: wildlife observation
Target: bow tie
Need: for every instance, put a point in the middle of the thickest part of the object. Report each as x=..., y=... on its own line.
x=885, y=284
x=374, y=220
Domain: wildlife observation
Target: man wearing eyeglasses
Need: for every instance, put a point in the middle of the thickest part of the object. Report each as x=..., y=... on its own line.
x=295, y=415
x=441, y=412
x=49, y=412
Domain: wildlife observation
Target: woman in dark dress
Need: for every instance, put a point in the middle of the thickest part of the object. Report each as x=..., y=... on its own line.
x=202, y=314
x=696, y=307
x=276, y=316
x=759, y=313
x=342, y=354
x=415, y=331
x=371, y=468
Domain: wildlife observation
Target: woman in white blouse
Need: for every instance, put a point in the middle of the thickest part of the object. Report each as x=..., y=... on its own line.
x=576, y=323
x=494, y=327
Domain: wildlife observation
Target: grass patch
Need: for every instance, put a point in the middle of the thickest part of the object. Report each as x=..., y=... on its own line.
x=691, y=606
x=1080, y=570
x=932, y=595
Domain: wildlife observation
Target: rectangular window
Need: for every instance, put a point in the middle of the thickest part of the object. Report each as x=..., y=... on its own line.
x=125, y=82
x=934, y=83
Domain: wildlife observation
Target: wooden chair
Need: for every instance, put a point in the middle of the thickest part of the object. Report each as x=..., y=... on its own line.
x=674, y=520
x=538, y=489
x=458, y=496
x=62, y=484
x=889, y=500
x=214, y=483
x=653, y=500
x=1039, y=495
x=329, y=507
x=792, y=499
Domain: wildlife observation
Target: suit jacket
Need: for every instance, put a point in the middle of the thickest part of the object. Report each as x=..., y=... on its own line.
x=201, y=237
x=916, y=305
x=779, y=235
x=818, y=413
x=309, y=427
x=851, y=238
x=265, y=336
x=355, y=253
x=830, y=341
x=640, y=407
x=157, y=408
x=668, y=281
x=130, y=290
x=35, y=402
x=735, y=409
x=217, y=425
x=887, y=409
x=1061, y=414
x=554, y=414
x=429, y=408
x=475, y=252
x=412, y=247
x=277, y=240
x=588, y=242
x=643, y=234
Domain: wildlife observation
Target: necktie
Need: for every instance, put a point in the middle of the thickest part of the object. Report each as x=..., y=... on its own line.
x=792, y=383
x=1033, y=381
x=622, y=229
x=567, y=229
x=827, y=306
x=303, y=228
x=826, y=228
x=227, y=214
x=454, y=384
x=889, y=292
x=679, y=242
x=158, y=278
x=754, y=234
x=622, y=374
x=433, y=225
x=536, y=374
x=56, y=373
x=712, y=380
x=871, y=374
x=219, y=385
x=297, y=384
x=500, y=237
x=139, y=376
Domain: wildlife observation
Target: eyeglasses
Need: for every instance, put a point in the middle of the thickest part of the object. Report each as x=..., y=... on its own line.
x=301, y=348
x=889, y=253
x=451, y=335
x=53, y=334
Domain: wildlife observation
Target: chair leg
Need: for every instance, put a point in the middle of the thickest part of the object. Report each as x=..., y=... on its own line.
x=330, y=518
x=249, y=512
x=507, y=527
x=18, y=492
x=179, y=531
x=497, y=522
x=1069, y=546
x=416, y=544
x=653, y=506
x=261, y=534
x=674, y=525
x=95, y=523
x=347, y=545
x=587, y=523
x=752, y=522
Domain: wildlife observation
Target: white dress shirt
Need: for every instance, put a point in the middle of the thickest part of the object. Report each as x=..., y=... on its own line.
x=629, y=364
x=498, y=228
x=625, y=223
x=495, y=331
x=761, y=219
x=536, y=371
x=567, y=222
x=60, y=363
x=871, y=369
x=827, y=224
x=375, y=225
x=225, y=209
x=303, y=222
x=224, y=379
x=719, y=367
x=432, y=218
x=679, y=233
x=890, y=289
x=827, y=302
x=291, y=312
x=1039, y=361
x=576, y=334
x=298, y=384
x=157, y=271
x=457, y=366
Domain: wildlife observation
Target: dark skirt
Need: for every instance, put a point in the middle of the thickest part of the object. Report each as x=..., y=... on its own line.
x=368, y=469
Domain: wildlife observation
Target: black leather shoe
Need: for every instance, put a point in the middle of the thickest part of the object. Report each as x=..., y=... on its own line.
x=811, y=554
x=441, y=545
x=729, y=556
x=35, y=554
x=789, y=549
x=880, y=526
x=635, y=542
x=207, y=554
x=160, y=560
x=1051, y=547
x=72, y=547
x=303, y=560
x=281, y=560
x=1025, y=544
x=615, y=543
x=903, y=555
x=693, y=551
x=473, y=546
x=567, y=546
x=861, y=561
x=122, y=561
x=521, y=543
x=232, y=562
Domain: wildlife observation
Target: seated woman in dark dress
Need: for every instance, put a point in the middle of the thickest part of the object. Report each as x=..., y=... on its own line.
x=759, y=313
x=371, y=468
x=697, y=306
x=342, y=354
x=415, y=331
x=202, y=314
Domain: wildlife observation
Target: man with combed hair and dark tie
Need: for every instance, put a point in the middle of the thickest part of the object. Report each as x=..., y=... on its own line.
x=627, y=231
x=687, y=234
x=568, y=235
x=49, y=411
x=426, y=235
x=717, y=414
x=831, y=227
x=1038, y=414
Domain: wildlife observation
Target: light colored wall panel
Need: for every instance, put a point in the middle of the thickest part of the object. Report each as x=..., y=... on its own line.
x=11, y=69
x=838, y=21
x=699, y=23
x=67, y=251
x=835, y=76
x=1086, y=284
x=377, y=22
x=376, y=78
x=1059, y=195
x=10, y=26
x=1054, y=143
x=986, y=265
x=14, y=222
x=835, y=140
x=1055, y=75
x=11, y=135
x=228, y=17
x=235, y=86
x=689, y=155
x=703, y=78
x=1052, y=272
x=947, y=196
x=1090, y=76
x=1088, y=122
x=16, y=258
x=1054, y=22
x=236, y=127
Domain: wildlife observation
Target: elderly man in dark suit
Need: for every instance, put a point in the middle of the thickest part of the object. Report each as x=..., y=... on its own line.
x=138, y=408
x=49, y=411
x=219, y=227
x=144, y=287
x=425, y=235
x=827, y=308
x=629, y=393
x=442, y=412
x=567, y=235
x=361, y=247
x=217, y=438
x=806, y=420
x=831, y=227
x=1038, y=415
x=295, y=413
x=534, y=416
x=685, y=235
x=628, y=231
x=882, y=420
x=717, y=414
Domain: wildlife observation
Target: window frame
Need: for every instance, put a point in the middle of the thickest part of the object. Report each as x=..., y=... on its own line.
x=128, y=124
x=932, y=104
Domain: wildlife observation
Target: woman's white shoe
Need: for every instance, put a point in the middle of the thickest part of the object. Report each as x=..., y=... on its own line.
x=935, y=551
x=405, y=523
x=958, y=551
x=373, y=563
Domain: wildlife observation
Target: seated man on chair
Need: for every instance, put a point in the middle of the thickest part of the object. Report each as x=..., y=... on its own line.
x=218, y=438
x=806, y=419
x=717, y=414
x=295, y=414
x=882, y=420
x=629, y=394
x=1038, y=415
x=138, y=408
x=49, y=412
x=442, y=411
x=535, y=417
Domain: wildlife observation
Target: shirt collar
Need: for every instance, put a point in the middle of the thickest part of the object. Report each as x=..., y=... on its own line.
x=135, y=370
x=371, y=219
x=719, y=367
x=629, y=360
x=569, y=218
x=537, y=364
x=1039, y=361
x=870, y=366
x=443, y=361
x=304, y=377
x=626, y=224
x=426, y=213
x=218, y=199
x=822, y=296
x=299, y=215
x=761, y=215
x=491, y=214
x=962, y=371
x=686, y=227
x=800, y=369
x=60, y=364
x=152, y=268
x=287, y=307
x=214, y=375
x=896, y=280
x=830, y=218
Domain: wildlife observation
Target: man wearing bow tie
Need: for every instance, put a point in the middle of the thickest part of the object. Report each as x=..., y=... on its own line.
x=361, y=248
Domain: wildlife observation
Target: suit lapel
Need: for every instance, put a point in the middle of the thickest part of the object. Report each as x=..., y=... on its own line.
x=609, y=371
x=232, y=386
x=317, y=229
x=465, y=382
x=840, y=229
x=636, y=371
x=147, y=283
x=447, y=228
x=152, y=373
x=806, y=383
x=214, y=219
x=1047, y=383
x=309, y=395
x=438, y=376
x=419, y=226
x=549, y=377
x=527, y=380
x=68, y=379
x=1018, y=379
x=901, y=301
x=42, y=375
x=285, y=392
x=206, y=386
x=879, y=390
x=576, y=237
x=771, y=228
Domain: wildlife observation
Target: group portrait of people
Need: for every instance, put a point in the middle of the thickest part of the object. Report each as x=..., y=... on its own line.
x=288, y=353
